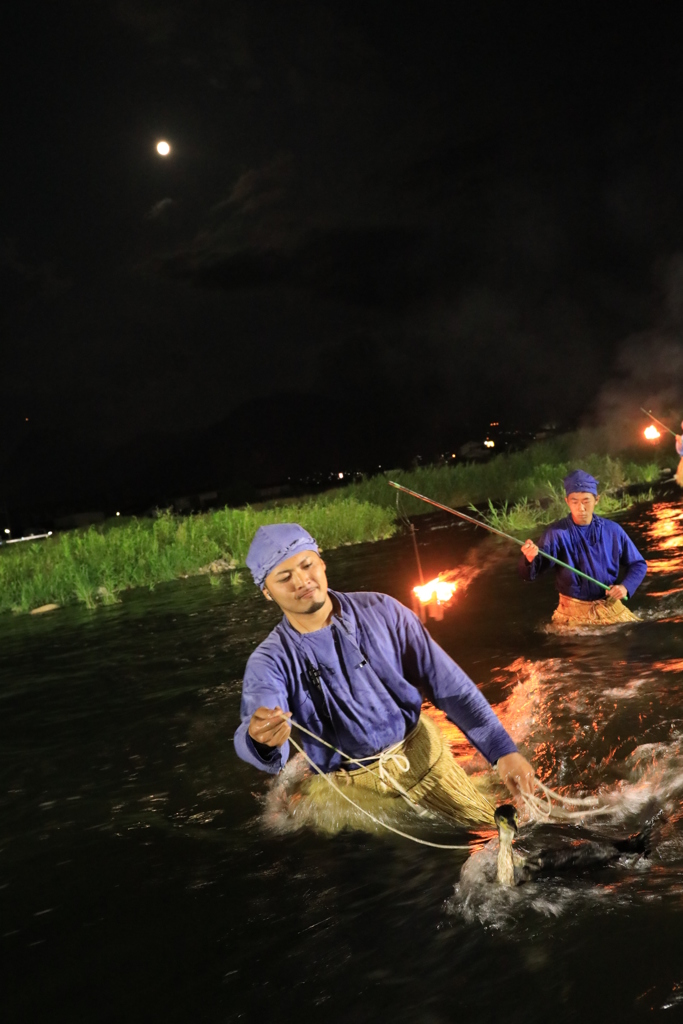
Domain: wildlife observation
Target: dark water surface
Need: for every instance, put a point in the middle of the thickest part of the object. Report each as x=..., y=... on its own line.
x=138, y=883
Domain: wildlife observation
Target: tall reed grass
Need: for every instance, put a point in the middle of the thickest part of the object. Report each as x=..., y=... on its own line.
x=94, y=566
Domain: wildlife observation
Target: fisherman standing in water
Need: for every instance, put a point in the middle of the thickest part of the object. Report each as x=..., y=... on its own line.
x=594, y=545
x=354, y=670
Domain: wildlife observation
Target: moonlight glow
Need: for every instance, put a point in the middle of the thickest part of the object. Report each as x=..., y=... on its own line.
x=163, y=148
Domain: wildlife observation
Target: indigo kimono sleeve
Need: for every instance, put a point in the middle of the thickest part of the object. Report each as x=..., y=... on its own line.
x=679, y=445
x=433, y=672
x=531, y=570
x=634, y=563
x=264, y=686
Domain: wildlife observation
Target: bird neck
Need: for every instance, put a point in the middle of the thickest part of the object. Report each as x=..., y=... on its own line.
x=506, y=864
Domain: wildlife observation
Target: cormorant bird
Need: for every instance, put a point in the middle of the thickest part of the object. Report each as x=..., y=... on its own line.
x=515, y=868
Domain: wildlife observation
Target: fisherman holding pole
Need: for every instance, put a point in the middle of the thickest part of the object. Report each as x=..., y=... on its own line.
x=599, y=548
x=350, y=673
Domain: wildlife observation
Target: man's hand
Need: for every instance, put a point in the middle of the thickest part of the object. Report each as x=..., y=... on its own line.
x=516, y=773
x=266, y=726
x=616, y=593
x=529, y=550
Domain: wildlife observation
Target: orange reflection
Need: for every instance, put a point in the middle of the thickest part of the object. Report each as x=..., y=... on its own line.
x=665, y=535
x=676, y=665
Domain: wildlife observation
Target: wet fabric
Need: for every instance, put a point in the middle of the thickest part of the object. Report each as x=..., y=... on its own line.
x=571, y=612
x=359, y=683
x=422, y=766
x=579, y=482
x=274, y=544
x=601, y=549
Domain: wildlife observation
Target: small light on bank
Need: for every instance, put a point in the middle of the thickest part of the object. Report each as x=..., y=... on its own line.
x=340, y=476
x=489, y=444
x=6, y=531
x=118, y=513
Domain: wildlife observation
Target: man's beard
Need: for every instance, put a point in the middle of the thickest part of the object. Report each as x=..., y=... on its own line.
x=315, y=607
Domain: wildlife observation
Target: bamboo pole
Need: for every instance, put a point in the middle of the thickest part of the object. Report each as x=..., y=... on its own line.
x=492, y=529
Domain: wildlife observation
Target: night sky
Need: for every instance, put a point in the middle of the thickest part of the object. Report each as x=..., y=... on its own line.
x=381, y=226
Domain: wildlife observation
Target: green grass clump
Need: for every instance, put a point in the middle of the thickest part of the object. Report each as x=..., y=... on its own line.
x=94, y=566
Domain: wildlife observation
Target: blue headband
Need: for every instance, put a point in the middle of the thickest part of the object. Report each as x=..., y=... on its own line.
x=581, y=482
x=275, y=544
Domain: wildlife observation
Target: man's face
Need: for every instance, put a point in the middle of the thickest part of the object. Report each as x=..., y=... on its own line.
x=298, y=585
x=581, y=505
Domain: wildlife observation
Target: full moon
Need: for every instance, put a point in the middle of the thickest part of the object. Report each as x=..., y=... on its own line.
x=163, y=148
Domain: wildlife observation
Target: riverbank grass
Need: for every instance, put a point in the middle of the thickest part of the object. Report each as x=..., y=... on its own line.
x=94, y=566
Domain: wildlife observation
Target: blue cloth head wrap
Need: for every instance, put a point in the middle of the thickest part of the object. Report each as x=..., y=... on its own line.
x=274, y=544
x=578, y=481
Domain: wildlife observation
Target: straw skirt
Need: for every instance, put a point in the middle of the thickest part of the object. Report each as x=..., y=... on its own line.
x=420, y=771
x=572, y=612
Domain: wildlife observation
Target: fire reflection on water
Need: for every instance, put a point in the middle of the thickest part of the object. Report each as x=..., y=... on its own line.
x=665, y=538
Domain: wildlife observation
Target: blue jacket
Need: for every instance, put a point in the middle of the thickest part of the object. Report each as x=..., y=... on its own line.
x=360, y=683
x=601, y=549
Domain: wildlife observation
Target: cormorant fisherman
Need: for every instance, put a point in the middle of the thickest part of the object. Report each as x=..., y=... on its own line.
x=596, y=546
x=354, y=670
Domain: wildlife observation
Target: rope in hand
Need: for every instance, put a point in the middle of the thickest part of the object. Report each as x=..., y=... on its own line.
x=542, y=807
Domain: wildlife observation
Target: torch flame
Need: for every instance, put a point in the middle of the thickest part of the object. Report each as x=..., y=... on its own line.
x=651, y=433
x=440, y=590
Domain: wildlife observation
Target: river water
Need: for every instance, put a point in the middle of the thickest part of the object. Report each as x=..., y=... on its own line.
x=142, y=879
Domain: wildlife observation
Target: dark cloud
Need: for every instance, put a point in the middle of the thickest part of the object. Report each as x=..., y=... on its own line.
x=161, y=210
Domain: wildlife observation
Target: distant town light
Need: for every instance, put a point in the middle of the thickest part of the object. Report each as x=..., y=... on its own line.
x=340, y=476
x=118, y=513
x=489, y=444
x=6, y=530
x=453, y=455
x=494, y=424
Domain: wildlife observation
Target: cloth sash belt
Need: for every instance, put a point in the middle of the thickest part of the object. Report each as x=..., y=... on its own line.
x=422, y=771
x=572, y=612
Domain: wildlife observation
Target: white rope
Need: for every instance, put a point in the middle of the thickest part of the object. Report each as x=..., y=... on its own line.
x=378, y=821
x=542, y=807
x=390, y=754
